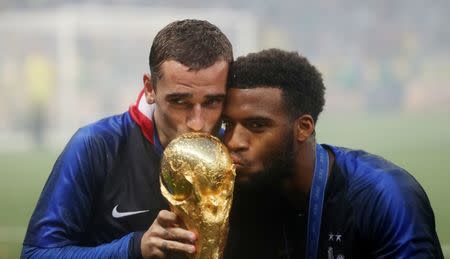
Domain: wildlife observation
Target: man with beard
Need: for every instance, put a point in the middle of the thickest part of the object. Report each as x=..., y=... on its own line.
x=299, y=199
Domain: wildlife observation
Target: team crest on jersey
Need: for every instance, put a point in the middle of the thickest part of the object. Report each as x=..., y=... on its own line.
x=335, y=246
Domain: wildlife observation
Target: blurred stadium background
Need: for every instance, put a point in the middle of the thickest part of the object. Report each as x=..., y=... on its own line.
x=66, y=63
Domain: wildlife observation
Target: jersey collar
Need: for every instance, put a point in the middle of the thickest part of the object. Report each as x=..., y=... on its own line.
x=142, y=113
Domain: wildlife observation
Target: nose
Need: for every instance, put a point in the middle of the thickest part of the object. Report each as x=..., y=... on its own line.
x=195, y=120
x=235, y=138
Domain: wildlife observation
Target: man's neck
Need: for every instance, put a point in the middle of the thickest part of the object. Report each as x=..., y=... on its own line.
x=297, y=188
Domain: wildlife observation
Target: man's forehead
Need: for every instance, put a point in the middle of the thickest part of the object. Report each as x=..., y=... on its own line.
x=194, y=90
x=177, y=78
x=255, y=100
x=260, y=95
x=172, y=68
x=188, y=95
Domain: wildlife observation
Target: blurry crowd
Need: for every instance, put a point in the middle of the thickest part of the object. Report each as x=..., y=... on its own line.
x=375, y=56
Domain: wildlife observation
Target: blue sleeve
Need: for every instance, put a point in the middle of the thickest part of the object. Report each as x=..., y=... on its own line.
x=401, y=220
x=116, y=249
x=60, y=222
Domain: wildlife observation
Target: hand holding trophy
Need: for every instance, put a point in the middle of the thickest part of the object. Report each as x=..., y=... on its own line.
x=197, y=178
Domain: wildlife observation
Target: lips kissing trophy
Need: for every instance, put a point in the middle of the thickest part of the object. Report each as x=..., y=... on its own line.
x=197, y=178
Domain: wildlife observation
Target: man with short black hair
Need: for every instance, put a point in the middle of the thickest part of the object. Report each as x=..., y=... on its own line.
x=103, y=198
x=296, y=198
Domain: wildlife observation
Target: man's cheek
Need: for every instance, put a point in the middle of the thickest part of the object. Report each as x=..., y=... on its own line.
x=174, y=122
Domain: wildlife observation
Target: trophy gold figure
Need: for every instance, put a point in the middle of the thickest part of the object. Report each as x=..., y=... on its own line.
x=197, y=178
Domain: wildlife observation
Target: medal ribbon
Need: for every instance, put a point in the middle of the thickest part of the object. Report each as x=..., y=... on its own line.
x=316, y=198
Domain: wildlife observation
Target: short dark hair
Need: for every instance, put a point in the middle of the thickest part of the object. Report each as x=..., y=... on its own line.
x=194, y=43
x=301, y=83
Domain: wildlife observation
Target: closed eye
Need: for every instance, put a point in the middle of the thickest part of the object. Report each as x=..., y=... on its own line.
x=257, y=124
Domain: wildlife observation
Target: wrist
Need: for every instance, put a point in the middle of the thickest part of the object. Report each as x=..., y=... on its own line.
x=134, y=247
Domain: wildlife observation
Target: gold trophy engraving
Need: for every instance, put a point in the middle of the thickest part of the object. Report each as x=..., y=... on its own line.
x=197, y=178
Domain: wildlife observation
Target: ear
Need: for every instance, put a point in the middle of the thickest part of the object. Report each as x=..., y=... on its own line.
x=149, y=88
x=304, y=127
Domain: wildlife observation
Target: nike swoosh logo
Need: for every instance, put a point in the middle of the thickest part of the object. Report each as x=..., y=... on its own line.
x=117, y=214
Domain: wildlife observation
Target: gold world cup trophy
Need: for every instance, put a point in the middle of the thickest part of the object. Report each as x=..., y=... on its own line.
x=197, y=178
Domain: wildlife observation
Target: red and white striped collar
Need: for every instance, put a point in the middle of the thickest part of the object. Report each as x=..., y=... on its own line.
x=142, y=112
